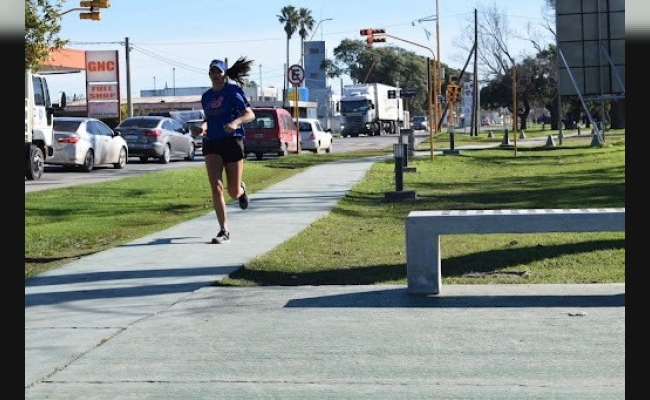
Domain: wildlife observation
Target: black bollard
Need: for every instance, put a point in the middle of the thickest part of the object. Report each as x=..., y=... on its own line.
x=398, y=151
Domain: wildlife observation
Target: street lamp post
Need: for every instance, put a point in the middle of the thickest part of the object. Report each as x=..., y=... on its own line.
x=302, y=57
x=174, y=80
x=436, y=83
x=316, y=29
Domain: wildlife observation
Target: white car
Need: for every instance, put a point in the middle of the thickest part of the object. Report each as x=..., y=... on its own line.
x=420, y=122
x=85, y=142
x=196, y=129
x=313, y=137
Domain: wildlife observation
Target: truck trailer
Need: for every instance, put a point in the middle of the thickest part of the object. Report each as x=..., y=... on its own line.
x=368, y=109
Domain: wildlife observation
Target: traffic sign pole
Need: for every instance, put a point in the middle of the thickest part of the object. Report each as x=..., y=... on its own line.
x=296, y=75
x=296, y=114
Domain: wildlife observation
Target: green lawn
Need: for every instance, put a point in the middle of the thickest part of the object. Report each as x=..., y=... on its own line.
x=362, y=240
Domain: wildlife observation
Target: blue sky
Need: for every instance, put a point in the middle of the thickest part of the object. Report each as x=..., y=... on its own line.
x=174, y=41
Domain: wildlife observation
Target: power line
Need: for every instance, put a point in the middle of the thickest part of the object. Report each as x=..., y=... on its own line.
x=168, y=60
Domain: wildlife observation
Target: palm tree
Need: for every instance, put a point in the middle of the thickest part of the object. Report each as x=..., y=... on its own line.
x=289, y=17
x=306, y=24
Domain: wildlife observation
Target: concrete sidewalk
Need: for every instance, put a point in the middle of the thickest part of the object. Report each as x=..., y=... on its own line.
x=141, y=321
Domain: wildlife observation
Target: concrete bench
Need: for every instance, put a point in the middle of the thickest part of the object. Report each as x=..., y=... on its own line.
x=423, y=230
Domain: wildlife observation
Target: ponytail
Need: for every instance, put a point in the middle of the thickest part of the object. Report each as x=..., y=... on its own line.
x=239, y=70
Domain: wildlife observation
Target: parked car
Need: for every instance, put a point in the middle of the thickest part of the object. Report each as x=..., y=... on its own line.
x=83, y=142
x=159, y=137
x=420, y=122
x=195, y=127
x=182, y=115
x=272, y=131
x=313, y=137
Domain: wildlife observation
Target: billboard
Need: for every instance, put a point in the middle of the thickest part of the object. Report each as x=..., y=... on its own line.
x=591, y=38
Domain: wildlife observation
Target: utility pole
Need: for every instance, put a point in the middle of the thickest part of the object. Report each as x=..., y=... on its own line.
x=261, y=86
x=476, y=118
x=437, y=77
x=129, y=100
x=514, y=103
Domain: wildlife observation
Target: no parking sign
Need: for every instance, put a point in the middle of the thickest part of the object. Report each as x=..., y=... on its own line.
x=295, y=74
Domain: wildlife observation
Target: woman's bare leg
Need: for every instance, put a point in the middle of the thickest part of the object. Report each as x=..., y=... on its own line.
x=214, y=166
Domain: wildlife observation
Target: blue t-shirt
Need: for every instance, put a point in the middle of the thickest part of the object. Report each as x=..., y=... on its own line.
x=222, y=107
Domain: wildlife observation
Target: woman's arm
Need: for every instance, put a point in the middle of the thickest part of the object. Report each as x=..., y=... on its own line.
x=247, y=115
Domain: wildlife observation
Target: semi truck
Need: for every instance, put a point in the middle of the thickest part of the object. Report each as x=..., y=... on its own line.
x=39, y=116
x=370, y=109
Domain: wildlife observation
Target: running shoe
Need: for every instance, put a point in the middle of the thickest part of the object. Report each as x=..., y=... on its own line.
x=243, y=199
x=222, y=237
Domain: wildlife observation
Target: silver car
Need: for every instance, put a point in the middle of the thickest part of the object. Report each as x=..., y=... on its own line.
x=159, y=137
x=86, y=142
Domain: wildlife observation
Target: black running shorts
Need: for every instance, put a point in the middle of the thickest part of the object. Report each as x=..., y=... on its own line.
x=230, y=149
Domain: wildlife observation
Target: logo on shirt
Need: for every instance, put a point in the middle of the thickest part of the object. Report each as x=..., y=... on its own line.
x=215, y=105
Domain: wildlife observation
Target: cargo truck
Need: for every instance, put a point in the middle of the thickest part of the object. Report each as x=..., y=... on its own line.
x=369, y=109
x=39, y=115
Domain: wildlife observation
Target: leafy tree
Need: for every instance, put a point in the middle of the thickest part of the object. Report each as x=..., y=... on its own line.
x=387, y=64
x=42, y=28
x=536, y=84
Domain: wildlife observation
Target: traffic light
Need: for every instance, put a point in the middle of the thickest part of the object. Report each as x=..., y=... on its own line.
x=378, y=35
x=452, y=93
x=94, y=15
x=370, y=35
x=93, y=6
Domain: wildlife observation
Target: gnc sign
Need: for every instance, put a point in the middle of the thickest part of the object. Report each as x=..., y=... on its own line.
x=102, y=66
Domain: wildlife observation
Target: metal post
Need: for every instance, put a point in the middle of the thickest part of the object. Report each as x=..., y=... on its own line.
x=296, y=114
x=451, y=137
x=398, y=150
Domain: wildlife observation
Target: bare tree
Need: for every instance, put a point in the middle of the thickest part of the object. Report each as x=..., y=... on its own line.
x=497, y=39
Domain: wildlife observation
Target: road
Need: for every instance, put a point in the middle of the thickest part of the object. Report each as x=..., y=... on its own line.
x=57, y=177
